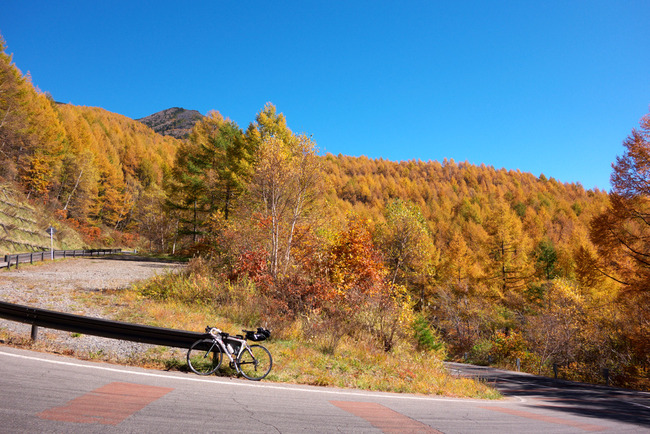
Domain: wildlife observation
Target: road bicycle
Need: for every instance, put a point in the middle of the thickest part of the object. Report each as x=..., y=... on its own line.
x=252, y=361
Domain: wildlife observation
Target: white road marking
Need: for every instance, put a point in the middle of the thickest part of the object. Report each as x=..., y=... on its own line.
x=385, y=395
x=640, y=405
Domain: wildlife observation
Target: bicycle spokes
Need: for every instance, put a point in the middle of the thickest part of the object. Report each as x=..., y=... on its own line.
x=255, y=363
x=252, y=361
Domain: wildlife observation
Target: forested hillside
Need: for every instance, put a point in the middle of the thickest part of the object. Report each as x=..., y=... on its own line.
x=499, y=265
x=97, y=170
x=472, y=261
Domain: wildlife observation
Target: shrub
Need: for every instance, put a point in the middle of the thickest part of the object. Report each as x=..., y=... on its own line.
x=425, y=338
x=480, y=353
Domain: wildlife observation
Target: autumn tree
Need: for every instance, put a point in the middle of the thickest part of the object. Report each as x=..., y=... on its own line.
x=31, y=136
x=621, y=235
x=554, y=331
x=13, y=117
x=458, y=307
x=509, y=267
x=459, y=265
x=355, y=261
x=358, y=272
x=409, y=251
x=622, y=232
x=113, y=203
x=284, y=182
x=153, y=220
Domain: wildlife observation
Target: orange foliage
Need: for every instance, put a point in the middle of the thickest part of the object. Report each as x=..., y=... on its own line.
x=355, y=262
x=252, y=264
x=129, y=240
x=61, y=214
x=91, y=234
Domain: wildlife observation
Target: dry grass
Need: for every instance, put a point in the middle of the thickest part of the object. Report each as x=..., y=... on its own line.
x=355, y=364
x=358, y=365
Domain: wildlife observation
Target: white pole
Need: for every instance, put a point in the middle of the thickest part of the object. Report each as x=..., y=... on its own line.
x=51, y=231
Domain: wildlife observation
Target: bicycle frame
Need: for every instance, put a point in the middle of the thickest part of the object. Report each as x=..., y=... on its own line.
x=219, y=340
x=252, y=361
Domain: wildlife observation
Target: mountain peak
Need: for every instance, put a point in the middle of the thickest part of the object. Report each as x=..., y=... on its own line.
x=176, y=121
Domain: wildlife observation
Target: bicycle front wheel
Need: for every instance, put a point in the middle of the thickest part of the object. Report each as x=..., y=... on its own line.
x=255, y=362
x=204, y=356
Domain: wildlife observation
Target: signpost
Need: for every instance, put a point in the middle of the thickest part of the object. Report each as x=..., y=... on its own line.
x=51, y=230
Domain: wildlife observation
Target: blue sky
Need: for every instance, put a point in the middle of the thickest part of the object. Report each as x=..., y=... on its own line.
x=543, y=87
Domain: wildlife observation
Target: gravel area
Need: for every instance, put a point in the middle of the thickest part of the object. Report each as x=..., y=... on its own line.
x=52, y=285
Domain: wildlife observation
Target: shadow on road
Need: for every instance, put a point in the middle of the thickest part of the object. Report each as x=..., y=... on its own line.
x=594, y=401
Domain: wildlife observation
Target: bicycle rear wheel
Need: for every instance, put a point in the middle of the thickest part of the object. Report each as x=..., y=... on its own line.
x=255, y=362
x=204, y=356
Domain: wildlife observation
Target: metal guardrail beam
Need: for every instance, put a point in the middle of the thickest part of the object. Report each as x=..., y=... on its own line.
x=97, y=326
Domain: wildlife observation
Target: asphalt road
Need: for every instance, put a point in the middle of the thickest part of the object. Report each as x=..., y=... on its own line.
x=48, y=393
x=588, y=400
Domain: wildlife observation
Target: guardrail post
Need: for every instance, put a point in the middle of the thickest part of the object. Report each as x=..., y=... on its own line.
x=96, y=326
x=606, y=375
x=518, y=364
x=17, y=261
x=555, y=370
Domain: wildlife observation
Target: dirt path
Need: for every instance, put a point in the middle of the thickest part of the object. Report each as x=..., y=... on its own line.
x=53, y=285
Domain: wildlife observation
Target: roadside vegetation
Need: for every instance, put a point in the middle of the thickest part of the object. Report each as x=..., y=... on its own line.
x=303, y=352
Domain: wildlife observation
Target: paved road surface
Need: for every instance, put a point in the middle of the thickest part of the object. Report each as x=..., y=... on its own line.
x=48, y=393
x=626, y=406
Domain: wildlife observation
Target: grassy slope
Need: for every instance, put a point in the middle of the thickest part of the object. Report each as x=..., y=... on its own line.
x=22, y=226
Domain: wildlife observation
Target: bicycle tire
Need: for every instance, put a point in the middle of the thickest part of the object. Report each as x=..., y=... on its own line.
x=204, y=357
x=255, y=362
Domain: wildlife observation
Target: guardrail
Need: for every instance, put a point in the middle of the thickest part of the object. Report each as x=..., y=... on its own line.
x=24, y=258
x=97, y=326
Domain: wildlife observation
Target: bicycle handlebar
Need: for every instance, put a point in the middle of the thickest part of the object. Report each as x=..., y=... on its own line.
x=262, y=332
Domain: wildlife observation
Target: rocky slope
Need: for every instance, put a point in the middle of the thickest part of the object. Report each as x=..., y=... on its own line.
x=176, y=121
